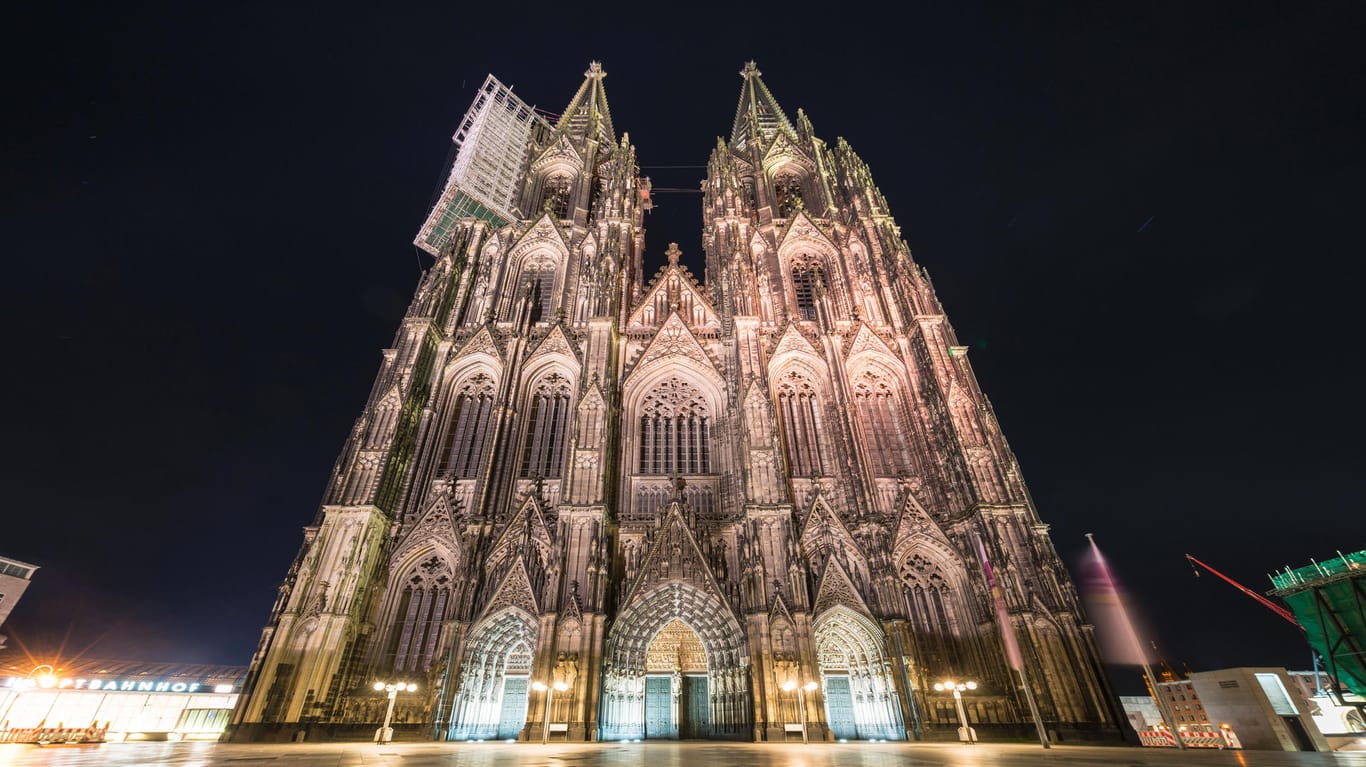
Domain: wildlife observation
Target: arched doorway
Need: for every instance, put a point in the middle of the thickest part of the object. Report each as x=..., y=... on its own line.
x=677, y=703
x=495, y=678
x=676, y=668
x=860, y=699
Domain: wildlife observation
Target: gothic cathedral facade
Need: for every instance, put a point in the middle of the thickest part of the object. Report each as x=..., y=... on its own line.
x=587, y=503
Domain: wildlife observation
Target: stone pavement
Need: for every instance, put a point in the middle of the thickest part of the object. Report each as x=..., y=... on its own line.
x=695, y=754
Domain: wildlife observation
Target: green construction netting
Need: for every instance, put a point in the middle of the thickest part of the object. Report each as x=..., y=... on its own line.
x=1329, y=600
x=462, y=206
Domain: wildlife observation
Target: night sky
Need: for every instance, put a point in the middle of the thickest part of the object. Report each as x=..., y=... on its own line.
x=1143, y=221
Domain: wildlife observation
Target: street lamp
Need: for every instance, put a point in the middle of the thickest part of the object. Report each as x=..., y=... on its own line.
x=549, y=691
x=386, y=733
x=965, y=733
x=791, y=685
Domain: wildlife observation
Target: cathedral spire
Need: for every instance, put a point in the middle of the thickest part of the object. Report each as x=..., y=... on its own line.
x=587, y=115
x=758, y=110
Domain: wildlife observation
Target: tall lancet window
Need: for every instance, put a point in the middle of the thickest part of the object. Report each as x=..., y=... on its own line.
x=800, y=410
x=543, y=451
x=469, y=429
x=555, y=196
x=787, y=188
x=675, y=431
x=881, y=418
x=935, y=611
x=538, y=282
x=807, y=279
x=421, y=610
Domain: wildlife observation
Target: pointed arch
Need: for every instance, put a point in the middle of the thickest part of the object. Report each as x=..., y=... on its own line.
x=824, y=536
x=469, y=417
x=812, y=269
x=547, y=404
x=500, y=646
x=882, y=417
x=935, y=587
x=534, y=275
x=965, y=417
x=629, y=640
x=860, y=697
x=801, y=413
x=384, y=418
x=674, y=429
x=422, y=592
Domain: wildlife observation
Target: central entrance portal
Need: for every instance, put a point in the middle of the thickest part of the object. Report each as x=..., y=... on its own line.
x=676, y=702
x=675, y=668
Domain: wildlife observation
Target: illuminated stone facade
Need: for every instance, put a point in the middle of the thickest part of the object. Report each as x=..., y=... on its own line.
x=675, y=500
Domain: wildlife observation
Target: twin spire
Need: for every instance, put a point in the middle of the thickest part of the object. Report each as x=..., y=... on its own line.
x=587, y=114
x=757, y=113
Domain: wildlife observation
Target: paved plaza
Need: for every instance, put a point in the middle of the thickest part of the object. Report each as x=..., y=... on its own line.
x=642, y=755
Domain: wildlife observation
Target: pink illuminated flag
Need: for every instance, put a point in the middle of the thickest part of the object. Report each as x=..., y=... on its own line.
x=1119, y=642
x=1002, y=617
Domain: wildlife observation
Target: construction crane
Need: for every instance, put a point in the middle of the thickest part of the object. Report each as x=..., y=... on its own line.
x=1267, y=603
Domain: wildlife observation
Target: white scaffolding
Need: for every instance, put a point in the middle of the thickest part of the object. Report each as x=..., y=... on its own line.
x=491, y=146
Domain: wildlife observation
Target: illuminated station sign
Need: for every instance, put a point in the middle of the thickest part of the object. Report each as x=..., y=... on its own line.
x=113, y=685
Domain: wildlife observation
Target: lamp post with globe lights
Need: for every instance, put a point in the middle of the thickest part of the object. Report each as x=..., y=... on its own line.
x=386, y=733
x=549, y=691
x=965, y=733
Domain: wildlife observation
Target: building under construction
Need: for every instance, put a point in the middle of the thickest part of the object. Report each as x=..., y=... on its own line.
x=1329, y=600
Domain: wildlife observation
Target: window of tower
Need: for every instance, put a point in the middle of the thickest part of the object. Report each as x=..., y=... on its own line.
x=880, y=416
x=539, y=285
x=421, y=611
x=674, y=431
x=934, y=609
x=799, y=408
x=787, y=189
x=806, y=282
x=469, y=429
x=543, y=450
x=555, y=196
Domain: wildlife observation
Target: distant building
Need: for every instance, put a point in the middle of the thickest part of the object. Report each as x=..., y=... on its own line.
x=1141, y=711
x=1314, y=689
x=137, y=700
x=1184, y=702
x=1259, y=705
x=14, y=578
x=1257, y=712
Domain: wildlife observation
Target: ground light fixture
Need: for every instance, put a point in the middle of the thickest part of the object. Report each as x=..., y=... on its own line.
x=965, y=733
x=386, y=733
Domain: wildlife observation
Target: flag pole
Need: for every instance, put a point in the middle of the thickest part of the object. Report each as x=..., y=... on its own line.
x=1012, y=645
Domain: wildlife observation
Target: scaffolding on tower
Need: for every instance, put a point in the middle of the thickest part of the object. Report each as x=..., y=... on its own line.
x=491, y=148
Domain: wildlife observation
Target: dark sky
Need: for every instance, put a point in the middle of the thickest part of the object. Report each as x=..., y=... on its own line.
x=1143, y=220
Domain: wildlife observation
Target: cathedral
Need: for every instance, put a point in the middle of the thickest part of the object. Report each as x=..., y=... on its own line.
x=584, y=502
